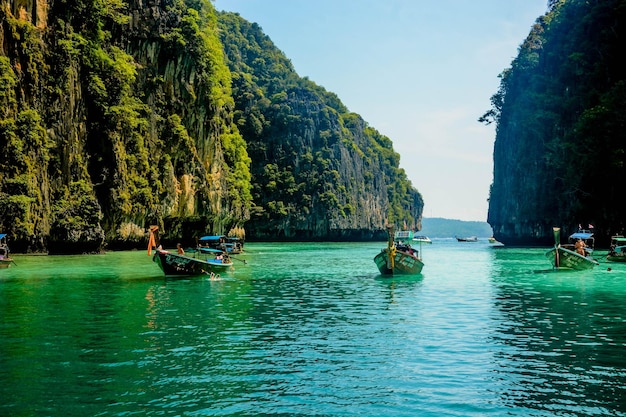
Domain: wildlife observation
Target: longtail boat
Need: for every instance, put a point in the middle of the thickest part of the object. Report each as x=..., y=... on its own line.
x=5, y=259
x=576, y=254
x=203, y=261
x=617, y=253
x=173, y=264
x=398, y=257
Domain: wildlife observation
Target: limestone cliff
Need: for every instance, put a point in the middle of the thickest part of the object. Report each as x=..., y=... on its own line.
x=560, y=152
x=319, y=171
x=118, y=115
x=115, y=116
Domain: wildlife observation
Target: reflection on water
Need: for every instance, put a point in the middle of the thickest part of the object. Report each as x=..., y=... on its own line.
x=313, y=329
x=565, y=332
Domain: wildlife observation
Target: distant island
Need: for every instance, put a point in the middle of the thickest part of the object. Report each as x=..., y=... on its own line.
x=447, y=228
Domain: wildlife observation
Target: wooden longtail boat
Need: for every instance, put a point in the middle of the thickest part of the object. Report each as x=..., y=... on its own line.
x=617, y=252
x=398, y=257
x=568, y=255
x=173, y=264
x=5, y=260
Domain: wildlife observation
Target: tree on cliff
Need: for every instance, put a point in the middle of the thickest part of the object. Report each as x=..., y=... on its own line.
x=560, y=148
x=118, y=115
x=319, y=171
x=112, y=123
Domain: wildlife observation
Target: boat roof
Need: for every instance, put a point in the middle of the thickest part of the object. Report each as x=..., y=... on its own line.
x=618, y=239
x=215, y=238
x=404, y=234
x=582, y=234
x=2, y=235
x=212, y=238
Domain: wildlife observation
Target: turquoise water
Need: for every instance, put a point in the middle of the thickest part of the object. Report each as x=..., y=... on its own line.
x=314, y=330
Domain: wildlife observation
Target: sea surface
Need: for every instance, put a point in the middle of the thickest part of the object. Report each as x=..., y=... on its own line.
x=314, y=330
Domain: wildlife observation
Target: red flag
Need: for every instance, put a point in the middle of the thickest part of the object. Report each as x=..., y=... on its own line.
x=590, y=226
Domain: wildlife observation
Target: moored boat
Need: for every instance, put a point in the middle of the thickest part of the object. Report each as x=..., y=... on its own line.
x=617, y=252
x=467, y=239
x=422, y=239
x=5, y=260
x=228, y=244
x=398, y=257
x=576, y=254
x=174, y=264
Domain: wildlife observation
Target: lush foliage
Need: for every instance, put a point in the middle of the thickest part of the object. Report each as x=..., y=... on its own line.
x=560, y=114
x=117, y=115
x=108, y=129
x=317, y=168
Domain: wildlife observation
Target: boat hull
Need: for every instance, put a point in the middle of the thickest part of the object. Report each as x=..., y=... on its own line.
x=616, y=257
x=565, y=258
x=404, y=264
x=5, y=263
x=180, y=265
x=422, y=239
x=618, y=249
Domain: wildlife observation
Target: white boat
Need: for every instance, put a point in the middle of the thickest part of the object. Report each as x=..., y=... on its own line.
x=422, y=239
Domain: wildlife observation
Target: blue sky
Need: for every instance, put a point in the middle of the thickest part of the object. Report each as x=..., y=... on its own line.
x=421, y=72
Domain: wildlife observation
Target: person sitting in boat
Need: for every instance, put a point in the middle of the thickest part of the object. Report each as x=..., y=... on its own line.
x=219, y=257
x=180, y=249
x=580, y=247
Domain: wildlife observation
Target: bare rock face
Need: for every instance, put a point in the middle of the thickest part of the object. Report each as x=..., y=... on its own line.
x=35, y=12
x=115, y=116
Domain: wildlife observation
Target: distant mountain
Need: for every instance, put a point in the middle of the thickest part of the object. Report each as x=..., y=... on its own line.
x=443, y=228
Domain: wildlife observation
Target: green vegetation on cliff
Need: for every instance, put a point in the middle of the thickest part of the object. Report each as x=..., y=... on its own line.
x=319, y=171
x=112, y=124
x=560, y=150
x=118, y=115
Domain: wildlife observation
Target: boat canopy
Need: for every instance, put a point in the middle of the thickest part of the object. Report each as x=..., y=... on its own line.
x=404, y=234
x=2, y=235
x=214, y=238
x=582, y=234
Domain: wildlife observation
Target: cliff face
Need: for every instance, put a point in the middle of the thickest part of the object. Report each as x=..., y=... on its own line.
x=560, y=111
x=118, y=115
x=115, y=116
x=319, y=171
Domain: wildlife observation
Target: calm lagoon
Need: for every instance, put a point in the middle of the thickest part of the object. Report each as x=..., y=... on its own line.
x=307, y=329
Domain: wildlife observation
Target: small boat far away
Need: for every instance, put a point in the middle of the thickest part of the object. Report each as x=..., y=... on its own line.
x=422, y=239
x=467, y=239
x=576, y=254
x=5, y=259
x=398, y=257
x=617, y=253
